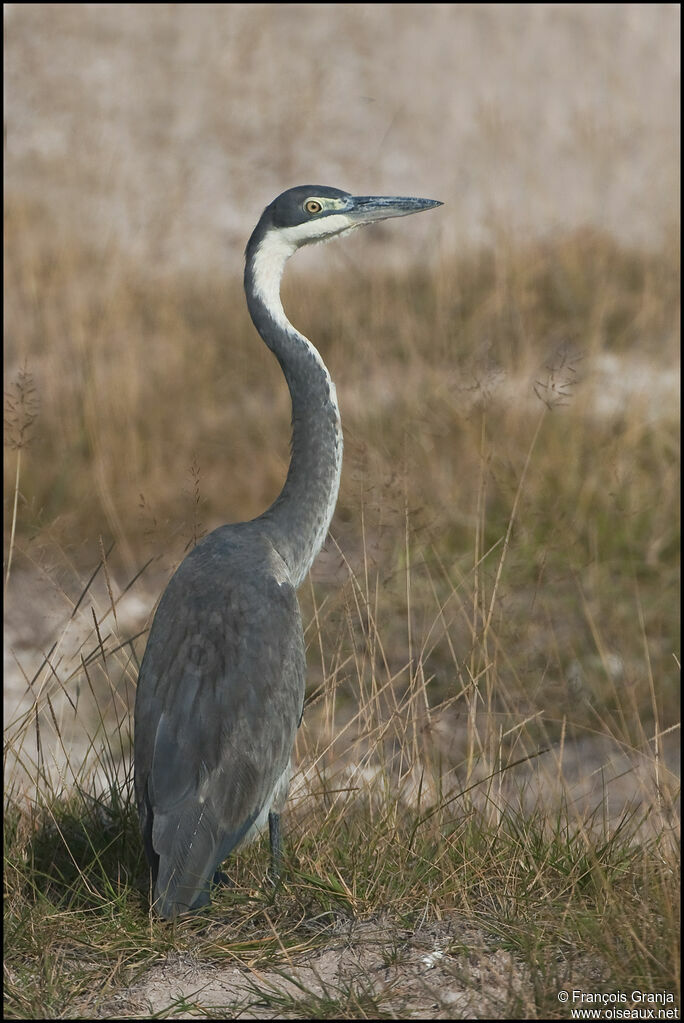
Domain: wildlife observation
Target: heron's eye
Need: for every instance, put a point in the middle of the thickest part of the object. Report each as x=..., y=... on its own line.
x=312, y=206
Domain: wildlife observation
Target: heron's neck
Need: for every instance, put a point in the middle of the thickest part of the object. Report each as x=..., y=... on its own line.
x=299, y=518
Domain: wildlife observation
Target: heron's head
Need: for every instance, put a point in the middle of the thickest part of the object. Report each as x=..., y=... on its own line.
x=314, y=213
x=301, y=216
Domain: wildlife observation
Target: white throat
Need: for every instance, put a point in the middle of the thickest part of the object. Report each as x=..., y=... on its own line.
x=278, y=245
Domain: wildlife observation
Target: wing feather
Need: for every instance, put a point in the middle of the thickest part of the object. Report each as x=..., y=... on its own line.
x=219, y=699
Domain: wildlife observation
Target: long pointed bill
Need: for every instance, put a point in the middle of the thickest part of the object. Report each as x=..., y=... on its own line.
x=367, y=208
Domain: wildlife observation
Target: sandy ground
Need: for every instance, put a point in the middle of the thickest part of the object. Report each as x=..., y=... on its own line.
x=445, y=970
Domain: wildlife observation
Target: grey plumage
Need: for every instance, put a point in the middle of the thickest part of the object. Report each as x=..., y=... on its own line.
x=221, y=686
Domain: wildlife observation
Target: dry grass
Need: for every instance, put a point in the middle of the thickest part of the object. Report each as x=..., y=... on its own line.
x=138, y=379
x=492, y=633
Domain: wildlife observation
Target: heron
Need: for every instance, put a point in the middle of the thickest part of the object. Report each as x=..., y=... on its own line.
x=220, y=691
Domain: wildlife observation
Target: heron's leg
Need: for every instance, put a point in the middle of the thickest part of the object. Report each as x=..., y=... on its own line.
x=221, y=880
x=276, y=845
x=202, y=900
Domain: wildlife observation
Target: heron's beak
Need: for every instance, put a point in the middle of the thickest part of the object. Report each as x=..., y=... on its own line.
x=366, y=208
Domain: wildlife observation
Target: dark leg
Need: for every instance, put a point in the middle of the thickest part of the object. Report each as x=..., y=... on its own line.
x=221, y=880
x=276, y=845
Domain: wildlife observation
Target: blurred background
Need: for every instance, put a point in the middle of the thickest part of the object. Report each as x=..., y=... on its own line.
x=142, y=142
x=165, y=128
